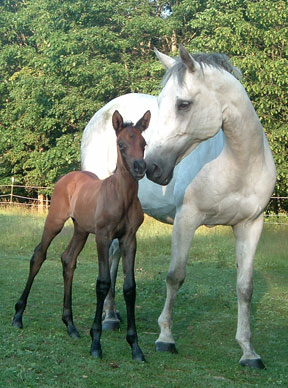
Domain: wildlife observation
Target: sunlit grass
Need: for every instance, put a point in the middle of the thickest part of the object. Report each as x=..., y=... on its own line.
x=42, y=354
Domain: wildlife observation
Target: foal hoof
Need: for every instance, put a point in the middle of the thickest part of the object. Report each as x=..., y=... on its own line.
x=96, y=353
x=166, y=347
x=111, y=324
x=73, y=333
x=253, y=363
x=139, y=357
x=17, y=322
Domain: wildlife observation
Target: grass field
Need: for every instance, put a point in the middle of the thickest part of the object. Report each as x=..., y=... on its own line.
x=42, y=355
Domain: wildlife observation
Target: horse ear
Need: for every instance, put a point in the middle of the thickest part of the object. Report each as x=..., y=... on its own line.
x=166, y=61
x=117, y=122
x=187, y=59
x=143, y=123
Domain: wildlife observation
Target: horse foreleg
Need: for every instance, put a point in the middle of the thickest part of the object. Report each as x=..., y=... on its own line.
x=112, y=318
x=102, y=288
x=39, y=256
x=128, y=249
x=247, y=236
x=69, y=259
x=183, y=232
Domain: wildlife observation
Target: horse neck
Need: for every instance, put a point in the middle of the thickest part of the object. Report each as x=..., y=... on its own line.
x=125, y=183
x=241, y=125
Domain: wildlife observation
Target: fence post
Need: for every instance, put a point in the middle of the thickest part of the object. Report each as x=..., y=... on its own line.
x=11, y=192
x=40, y=203
x=46, y=202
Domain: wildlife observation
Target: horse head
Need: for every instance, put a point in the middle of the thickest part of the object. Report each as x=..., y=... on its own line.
x=131, y=144
x=189, y=112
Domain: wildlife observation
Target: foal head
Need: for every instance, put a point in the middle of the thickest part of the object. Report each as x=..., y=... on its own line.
x=131, y=143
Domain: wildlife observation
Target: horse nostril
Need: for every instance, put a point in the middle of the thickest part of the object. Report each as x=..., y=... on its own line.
x=156, y=171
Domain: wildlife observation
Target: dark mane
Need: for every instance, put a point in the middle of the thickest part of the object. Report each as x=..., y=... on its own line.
x=219, y=61
x=128, y=124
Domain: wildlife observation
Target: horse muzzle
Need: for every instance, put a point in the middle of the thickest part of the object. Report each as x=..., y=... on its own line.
x=156, y=174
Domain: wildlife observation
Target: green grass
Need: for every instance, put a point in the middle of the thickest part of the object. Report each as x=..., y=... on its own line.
x=42, y=355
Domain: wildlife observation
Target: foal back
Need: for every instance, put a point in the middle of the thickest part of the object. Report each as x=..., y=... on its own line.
x=76, y=196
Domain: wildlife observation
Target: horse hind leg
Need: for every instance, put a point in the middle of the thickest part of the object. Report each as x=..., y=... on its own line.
x=112, y=318
x=51, y=229
x=69, y=259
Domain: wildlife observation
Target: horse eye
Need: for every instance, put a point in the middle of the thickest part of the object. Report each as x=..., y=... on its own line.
x=183, y=105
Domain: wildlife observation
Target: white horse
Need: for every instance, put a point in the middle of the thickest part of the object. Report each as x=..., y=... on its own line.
x=227, y=180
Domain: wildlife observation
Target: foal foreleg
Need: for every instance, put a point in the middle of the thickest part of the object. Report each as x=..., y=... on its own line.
x=37, y=259
x=247, y=236
x=69, y=258
x=112, y=318
x=128, y=249
x=102, y=288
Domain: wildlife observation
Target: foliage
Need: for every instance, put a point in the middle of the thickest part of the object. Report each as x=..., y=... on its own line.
x=59, y=63
x=254, y=34
x=62, y=61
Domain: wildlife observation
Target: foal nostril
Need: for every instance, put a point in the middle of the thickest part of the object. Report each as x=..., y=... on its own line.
x=139, y=166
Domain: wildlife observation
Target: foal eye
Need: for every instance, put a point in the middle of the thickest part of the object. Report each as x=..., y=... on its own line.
x=121, y=145
x=183, y=105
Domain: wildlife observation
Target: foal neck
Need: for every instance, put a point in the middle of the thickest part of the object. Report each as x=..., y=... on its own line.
x=124, y=180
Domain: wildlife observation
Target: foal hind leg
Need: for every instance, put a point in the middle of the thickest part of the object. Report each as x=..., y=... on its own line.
x=51, y=229
x=69, y=258
x=247, y=236
x=112, y=317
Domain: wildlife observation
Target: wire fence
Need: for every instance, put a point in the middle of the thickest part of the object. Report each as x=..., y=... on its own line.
x=10, y=196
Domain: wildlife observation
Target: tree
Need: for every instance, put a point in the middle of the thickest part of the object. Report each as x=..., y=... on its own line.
x=61, y=61
x=254, y=35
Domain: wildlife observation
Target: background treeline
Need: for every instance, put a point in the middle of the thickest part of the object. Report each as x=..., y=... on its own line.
x=60, y=61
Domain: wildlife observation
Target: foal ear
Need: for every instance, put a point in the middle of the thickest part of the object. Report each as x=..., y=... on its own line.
x=166, y=61
x=187, y=59
x=143, y=123
x=117, y=121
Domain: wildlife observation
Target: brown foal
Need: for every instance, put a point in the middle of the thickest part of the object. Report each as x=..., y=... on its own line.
x=108, y=208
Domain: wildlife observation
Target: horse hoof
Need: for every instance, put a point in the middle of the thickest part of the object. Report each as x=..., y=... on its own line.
x=253, y=363
x=17, y=323
x=166, y=347
x=111, y=324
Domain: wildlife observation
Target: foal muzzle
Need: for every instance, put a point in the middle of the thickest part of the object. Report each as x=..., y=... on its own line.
x=139, y=168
